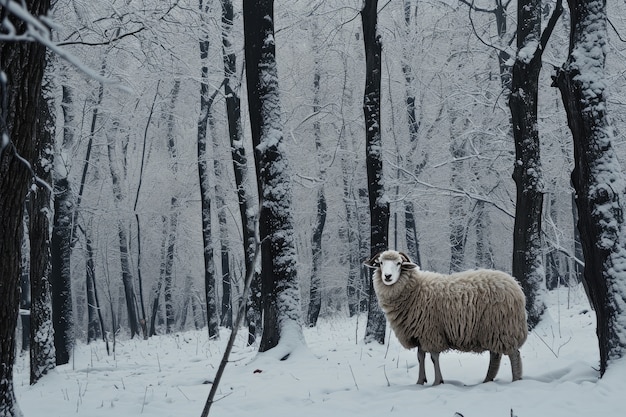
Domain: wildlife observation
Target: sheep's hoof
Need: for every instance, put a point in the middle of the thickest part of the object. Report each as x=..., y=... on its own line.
x=437, y=382
x=421, y=382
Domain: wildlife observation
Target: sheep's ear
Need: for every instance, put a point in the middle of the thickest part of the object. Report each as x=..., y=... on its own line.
x=373, y=262
x=409, y=265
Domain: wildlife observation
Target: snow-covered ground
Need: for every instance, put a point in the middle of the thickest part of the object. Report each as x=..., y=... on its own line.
x=336, y=375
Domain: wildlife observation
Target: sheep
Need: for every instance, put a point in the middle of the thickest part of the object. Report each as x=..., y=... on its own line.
x=472, y=311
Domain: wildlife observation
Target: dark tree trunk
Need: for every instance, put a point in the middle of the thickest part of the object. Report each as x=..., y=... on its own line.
x=23, y=64
x=168, y=275
x=378, y=203
x=170, y=316
x=42, y=352
x=597, y=177
x=226, y=316
x=315, y=302
x=527, y=173
x=484, y=251
x=232, y=87
x=315, y=298
x=279, y=288
x=95, y=323
x=206, y=102
x=127, y=276
x=60, y=278
x=25, y=296
x=412, y=242
x=351, y=231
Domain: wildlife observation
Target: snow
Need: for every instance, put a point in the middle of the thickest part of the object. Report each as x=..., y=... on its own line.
x=337, y=373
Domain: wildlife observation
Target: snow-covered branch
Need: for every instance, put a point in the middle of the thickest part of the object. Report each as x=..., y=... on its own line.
x=38, y=31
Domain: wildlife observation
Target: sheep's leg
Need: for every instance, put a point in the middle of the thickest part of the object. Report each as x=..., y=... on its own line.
x=421, y=357
x=438, y=377
x=494, y=365
x=516, y=365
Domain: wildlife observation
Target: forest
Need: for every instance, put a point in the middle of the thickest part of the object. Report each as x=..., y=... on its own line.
x=163, y=163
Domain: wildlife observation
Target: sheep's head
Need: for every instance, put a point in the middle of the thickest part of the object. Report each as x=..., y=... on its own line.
x=391, y=264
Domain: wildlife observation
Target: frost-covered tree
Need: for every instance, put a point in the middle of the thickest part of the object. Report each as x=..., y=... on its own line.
x=378, y=202
x=282, y=327
x=42, y=351
x=597, y=176
x=21, y=72
x=527, y=172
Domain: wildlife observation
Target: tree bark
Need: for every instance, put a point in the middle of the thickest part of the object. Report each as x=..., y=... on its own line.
x=232, y=87
x=23, y=64
x=597, y=176
x=42, y=352
x=527, y=172
x=378, y=203
x=206, y=102
x=315, y=297
x=282, y=328
x=127, y=275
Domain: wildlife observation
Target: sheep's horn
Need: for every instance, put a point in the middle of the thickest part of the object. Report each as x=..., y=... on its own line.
x=373, y=262
x=405, y=257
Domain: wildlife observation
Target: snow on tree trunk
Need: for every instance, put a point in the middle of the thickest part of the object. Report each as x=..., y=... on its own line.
x=42, y=352
x=282, y=328
x=60, y=282
x=527, y=172
x=21, y=70
x=118, y=198
x=378, y=203
x=206, y=102
x=597, y=176
x=232, y=87
x=315, y=297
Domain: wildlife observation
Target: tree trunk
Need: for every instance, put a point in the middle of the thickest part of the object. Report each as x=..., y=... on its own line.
x=95, y=324
x=412, y=242
x=315, y=298
x=280, y=293
x=206, y=102
x=378, y=203
x=527, y=173
x=25, y=296
x=232, y=87
x=170, y=316
x=226, y=316
x=127, y=276
x=597, y=177
x=458, y=208
x=23, y=64
x=315, y=302
x=42, y=352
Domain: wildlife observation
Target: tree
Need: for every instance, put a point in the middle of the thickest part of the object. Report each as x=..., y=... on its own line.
x=597, y=176
x=282, y=328
x=378, y=203
x=232, y=86
x=42, y=351
x=21, y=71
x=206, y=102
x=527, y=172
x=315, y=298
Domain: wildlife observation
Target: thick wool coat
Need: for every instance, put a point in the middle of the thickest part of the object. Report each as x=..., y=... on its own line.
x=471, y=311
